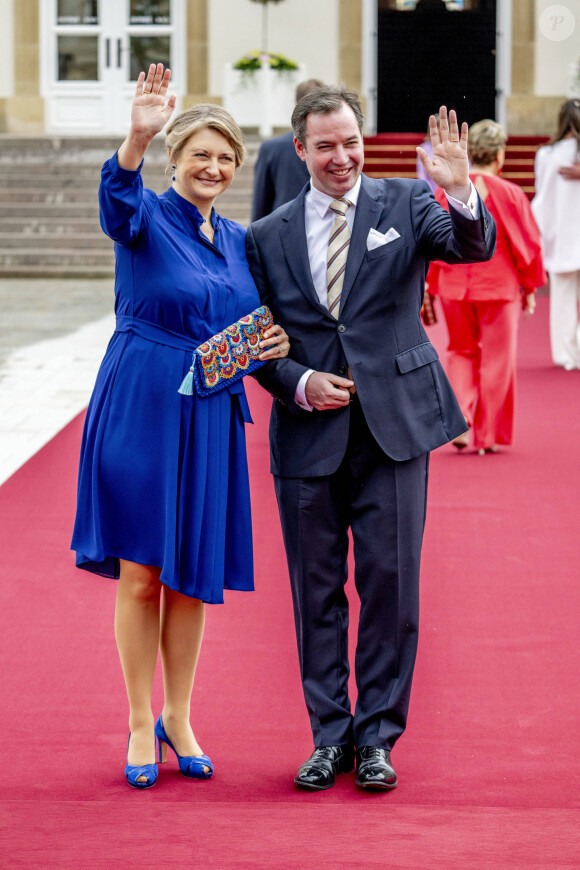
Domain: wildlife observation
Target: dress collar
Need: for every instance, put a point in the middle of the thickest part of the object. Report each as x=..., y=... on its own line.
x=189, y=209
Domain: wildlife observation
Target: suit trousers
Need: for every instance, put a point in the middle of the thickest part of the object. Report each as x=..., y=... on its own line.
x=383, y=502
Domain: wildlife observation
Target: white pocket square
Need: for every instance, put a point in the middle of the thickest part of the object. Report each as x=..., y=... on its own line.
x=376, y=239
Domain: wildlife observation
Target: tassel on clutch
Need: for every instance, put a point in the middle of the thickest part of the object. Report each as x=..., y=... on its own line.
x=229, y=355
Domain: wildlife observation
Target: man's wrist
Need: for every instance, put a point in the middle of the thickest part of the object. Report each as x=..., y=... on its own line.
x=300, y=395
x=461, y=193
x=470, y=208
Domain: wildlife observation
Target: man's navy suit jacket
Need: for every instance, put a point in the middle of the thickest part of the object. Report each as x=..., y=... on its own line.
x=279, y=175
x=406, y=398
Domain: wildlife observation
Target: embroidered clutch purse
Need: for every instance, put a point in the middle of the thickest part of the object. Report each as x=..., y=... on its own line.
x=229, y=355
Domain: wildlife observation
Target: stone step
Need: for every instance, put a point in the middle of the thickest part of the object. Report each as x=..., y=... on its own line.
x=60, y=194
x=60, y=270
x=33, y=224
x=53, y=170
x=89, y=178
x=42, y=203
x=45, y=224
x=90, y=149
x=48, y=195
x=43, y=200
x=51, y=258
x=73, y=228
x=29, y=218
x=23, y=183
x=49, y=212
x=77, y=257
x=69, y=242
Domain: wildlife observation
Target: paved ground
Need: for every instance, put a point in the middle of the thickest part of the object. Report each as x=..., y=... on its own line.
x=38, y=309
x=53, y=334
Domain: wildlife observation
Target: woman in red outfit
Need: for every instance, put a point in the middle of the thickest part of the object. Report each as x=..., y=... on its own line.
x=482, y=302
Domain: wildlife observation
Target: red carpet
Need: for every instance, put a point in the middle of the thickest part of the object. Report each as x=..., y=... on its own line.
x=488, y=768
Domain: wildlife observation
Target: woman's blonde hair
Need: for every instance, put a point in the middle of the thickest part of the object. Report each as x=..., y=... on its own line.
x=486, y=138
x=199, y=117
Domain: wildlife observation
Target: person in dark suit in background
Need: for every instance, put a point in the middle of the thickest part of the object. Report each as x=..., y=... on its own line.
x=431, y=6
x=343, y=459
x=279, y=174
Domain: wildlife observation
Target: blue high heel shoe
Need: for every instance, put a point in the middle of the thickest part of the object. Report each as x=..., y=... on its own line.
x=189, y=765
x=133, y=772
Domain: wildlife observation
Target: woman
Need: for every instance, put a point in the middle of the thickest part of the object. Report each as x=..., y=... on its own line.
x=163, y=498
x=482, y=302
x=556, y=207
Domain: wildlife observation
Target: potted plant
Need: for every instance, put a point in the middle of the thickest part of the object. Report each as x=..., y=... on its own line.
x=259, y=87
x=255, y=60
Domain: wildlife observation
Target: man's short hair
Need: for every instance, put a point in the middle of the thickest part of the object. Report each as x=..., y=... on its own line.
x=307, y=87
x=323, y=101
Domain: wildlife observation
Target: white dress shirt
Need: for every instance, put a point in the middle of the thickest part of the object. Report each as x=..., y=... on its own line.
x=319, y=220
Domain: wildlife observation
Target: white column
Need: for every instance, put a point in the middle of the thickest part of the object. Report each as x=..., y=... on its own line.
x=7, y=48
x=503, y=63
x=369, y=63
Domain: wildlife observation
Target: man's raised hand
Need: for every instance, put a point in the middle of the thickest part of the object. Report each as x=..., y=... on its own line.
x=449, y=167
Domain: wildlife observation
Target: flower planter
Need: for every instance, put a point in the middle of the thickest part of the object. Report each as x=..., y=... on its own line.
x=263, y=98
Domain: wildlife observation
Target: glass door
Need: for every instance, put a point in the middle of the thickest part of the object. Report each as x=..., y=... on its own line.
x=94, y=51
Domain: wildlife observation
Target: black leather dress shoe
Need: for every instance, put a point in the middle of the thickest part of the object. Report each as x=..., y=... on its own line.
x=374, y=769
x=319, y=772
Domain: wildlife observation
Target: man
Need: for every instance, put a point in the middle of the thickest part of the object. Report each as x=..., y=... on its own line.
x=279, y=174
x=351, y=450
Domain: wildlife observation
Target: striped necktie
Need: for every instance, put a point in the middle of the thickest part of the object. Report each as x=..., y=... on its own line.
x=337, y=254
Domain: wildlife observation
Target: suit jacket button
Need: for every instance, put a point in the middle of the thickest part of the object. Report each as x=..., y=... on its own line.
x=341, y=327
x=342, y=370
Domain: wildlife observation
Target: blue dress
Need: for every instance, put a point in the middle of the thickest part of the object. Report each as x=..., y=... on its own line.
x=163, y=477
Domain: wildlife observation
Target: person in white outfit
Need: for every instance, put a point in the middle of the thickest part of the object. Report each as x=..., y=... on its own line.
x=556, y=207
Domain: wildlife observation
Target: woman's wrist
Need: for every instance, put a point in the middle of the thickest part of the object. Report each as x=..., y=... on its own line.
x=131, y=153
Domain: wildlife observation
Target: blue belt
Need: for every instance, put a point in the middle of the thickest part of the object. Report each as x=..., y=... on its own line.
x=161, y=335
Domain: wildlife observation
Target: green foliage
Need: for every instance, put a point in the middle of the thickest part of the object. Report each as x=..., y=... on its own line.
x=253, y=60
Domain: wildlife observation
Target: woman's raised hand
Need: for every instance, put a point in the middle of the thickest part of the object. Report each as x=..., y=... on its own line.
x=151, y=109
x=150, y=112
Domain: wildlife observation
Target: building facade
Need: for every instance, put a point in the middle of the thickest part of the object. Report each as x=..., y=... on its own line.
x=70, y=65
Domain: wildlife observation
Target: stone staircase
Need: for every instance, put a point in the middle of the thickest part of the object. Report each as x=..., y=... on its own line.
x=49, y=215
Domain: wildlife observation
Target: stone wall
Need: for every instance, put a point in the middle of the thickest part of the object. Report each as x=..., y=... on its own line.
x=527, y=113
x=24, y=111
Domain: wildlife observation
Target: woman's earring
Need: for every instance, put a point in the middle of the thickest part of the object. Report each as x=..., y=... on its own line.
x=173, y=168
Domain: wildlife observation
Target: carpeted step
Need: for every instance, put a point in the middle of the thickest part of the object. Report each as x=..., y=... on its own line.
x=394, y=155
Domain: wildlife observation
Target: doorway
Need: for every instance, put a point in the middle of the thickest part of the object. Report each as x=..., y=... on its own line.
x=432, y=53
x=93, y=53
